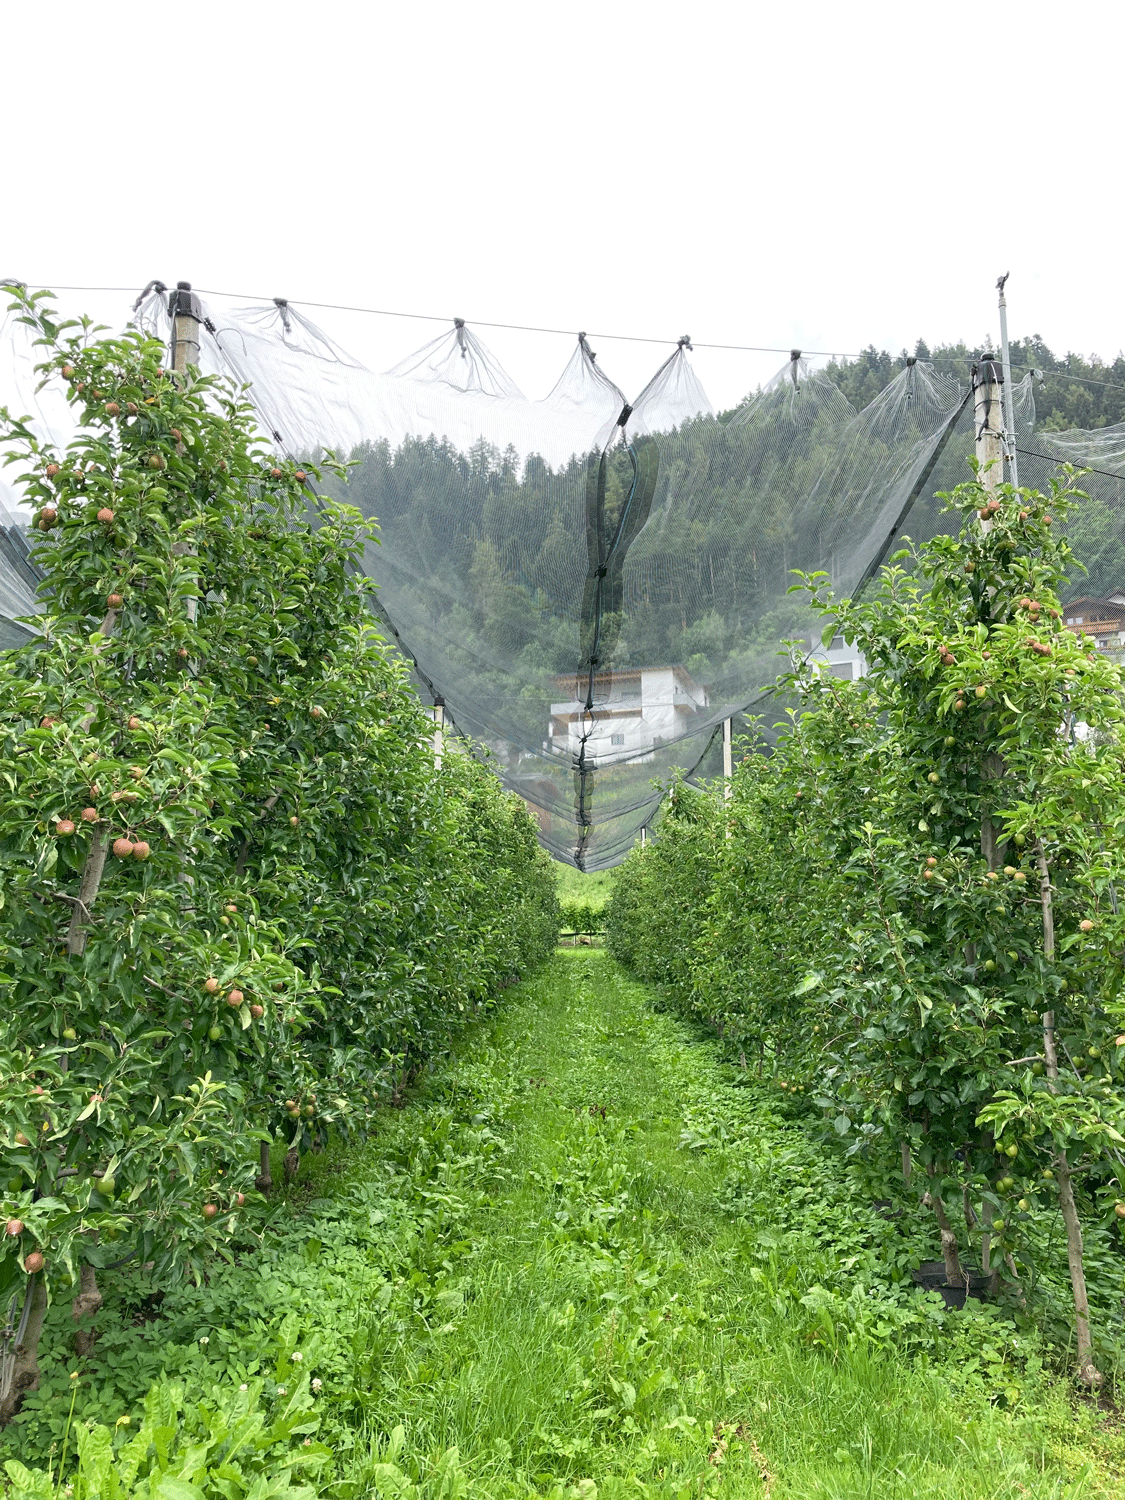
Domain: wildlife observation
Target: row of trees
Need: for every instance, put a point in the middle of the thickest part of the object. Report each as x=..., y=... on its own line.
x=238, y=902
x=909, y=912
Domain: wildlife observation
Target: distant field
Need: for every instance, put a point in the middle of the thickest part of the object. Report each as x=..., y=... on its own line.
x=593, y=890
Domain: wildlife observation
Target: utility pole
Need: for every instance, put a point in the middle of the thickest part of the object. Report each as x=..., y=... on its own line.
x=1009, y=399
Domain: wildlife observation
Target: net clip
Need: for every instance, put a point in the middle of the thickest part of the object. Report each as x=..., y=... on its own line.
x=684, y=342
x=462, y=342
x=282, y=305
x=626, y=413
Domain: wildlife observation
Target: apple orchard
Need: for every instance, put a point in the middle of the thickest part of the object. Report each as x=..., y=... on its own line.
x=239, y=904
x=908, y=914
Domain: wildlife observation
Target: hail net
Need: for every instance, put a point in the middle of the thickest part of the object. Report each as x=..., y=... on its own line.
x=590, y=584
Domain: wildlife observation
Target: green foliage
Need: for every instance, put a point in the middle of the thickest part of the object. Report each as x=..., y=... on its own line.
x=225, y=1444
x=238, y=901
x=852, y=934
x=581, y=919
x=577, y=887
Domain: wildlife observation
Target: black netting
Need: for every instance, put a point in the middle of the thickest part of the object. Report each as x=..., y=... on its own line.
x=590, y=585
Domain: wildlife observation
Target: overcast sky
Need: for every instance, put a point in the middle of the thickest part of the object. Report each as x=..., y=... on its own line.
x=819, y=175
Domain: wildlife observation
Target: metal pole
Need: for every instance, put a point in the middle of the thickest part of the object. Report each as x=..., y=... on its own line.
x=728, y=766
x=644, y=835
x=1009, y=398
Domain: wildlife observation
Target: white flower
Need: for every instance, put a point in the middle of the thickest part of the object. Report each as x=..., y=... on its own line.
x=243, y=1387
x=317, y=1383
x=281, y=1391
x=204, y=1339
x=297, y=1357
x=307, y=1443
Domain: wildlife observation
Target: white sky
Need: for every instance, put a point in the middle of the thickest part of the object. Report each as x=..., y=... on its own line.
x=818, y=175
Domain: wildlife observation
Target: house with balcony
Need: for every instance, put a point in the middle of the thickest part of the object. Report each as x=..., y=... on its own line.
x=635, y=712
x=1101, y=619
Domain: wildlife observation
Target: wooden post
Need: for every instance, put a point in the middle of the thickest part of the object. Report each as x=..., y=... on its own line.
x=439, y=730
x=988, y=386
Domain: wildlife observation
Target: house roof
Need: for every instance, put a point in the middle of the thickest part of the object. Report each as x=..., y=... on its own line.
x=1104, y=607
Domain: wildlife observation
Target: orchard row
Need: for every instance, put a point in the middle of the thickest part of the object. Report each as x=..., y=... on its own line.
x=908, y=916
x=239, y=903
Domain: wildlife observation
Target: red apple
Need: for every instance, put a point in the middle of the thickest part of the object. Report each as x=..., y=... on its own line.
x=114, y=601
x=33, y=1262
x=14, y=1226
x=235, y=998
x=89, y=815
x=257, y=1011
x=64, y=828
x=105, y=515
x=122, y=848
x=210, y=1210
x=211, y=986
x=141, y=849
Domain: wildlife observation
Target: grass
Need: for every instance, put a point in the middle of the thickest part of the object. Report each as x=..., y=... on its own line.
x=592, y=1259
x=592, y=890
x=620, y=1325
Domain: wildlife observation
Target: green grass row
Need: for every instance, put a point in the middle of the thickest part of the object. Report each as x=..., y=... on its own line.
x=592, y=1259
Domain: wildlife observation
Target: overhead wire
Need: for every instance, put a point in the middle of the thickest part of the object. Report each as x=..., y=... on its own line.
x=631, y=338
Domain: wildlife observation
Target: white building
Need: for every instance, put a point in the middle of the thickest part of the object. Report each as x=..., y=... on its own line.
x=838, y=659
x=635, y=712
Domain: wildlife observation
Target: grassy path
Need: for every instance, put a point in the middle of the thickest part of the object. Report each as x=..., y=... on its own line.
x=660, y=1292
x=589, y=1259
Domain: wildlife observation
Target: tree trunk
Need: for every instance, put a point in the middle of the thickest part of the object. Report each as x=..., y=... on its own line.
x=85, y=1305
x=265, y=1176
x=1088, y=1371
x=25, y=1367
x=292, y=1163
x=953, y=1272
x=92, y=872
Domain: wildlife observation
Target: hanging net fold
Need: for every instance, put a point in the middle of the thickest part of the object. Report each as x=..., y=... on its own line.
x=593, y=584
